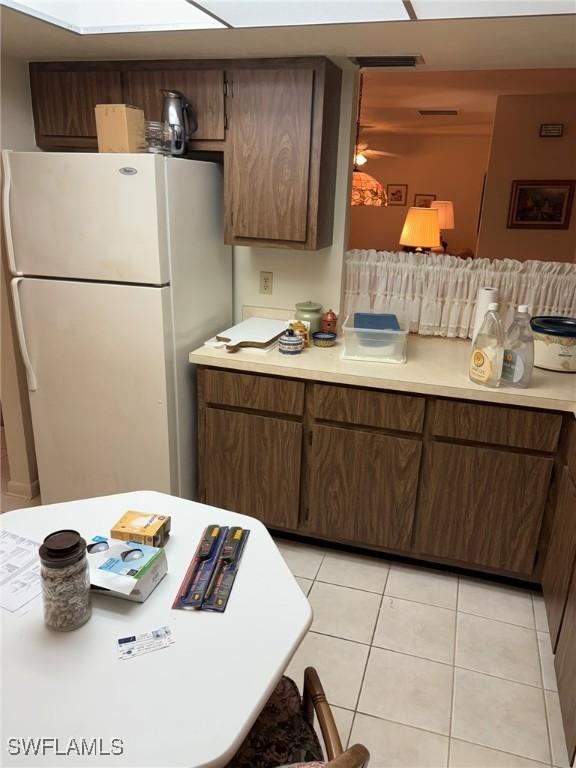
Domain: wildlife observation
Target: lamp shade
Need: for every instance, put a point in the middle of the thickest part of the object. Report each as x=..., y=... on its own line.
x=366, y=190
x=445, y=210
x=421, y=228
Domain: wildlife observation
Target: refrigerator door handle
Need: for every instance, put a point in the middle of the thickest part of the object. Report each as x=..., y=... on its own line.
x=30, y=375
x=7, y=173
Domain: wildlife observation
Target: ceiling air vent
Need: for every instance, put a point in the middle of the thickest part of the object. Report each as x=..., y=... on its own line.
x=382, y=62
x=435, y=112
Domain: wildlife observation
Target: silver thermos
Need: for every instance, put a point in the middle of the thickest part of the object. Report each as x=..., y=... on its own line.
x=178, y=113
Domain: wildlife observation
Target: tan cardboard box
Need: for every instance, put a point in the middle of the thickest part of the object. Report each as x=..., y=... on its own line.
x=142, y=527
x=120, y=128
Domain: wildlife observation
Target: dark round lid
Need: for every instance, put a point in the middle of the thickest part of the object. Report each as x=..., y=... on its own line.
x=555, y=326
x=62, y=548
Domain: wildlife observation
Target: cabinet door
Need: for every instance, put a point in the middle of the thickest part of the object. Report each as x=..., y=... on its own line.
x=204, y=89
x=561, y=555
x=565, y=664
x=482, y=506
x=64, y=101
x=362, y=486
x=252, y=465
x=270, y=136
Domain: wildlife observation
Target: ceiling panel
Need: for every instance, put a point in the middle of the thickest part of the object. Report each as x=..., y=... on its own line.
x=285, y=13
x=459, y=9
x=104, y=16
x=63, y=13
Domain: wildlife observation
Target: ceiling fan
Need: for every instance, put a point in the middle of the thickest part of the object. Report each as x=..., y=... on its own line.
x=364, y=153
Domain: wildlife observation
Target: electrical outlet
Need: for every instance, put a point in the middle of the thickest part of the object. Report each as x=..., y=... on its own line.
x=266, y=279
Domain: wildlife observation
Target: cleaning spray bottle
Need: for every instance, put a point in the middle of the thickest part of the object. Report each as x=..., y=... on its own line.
x=488, y=350
x=518, y=350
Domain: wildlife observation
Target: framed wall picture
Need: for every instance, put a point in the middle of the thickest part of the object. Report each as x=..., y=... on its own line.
x=552, y=130
x=397, y=194
x=540, y=204
x=423, y=201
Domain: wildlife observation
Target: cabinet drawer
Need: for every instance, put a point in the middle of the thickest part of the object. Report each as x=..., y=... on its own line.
x=368, y=408
x=497, y=425
x=259, y=393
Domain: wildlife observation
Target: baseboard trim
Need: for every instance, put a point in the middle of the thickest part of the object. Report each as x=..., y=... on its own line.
x=23, y=490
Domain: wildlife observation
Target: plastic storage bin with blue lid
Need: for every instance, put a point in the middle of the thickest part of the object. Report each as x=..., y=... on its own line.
x=375, y=337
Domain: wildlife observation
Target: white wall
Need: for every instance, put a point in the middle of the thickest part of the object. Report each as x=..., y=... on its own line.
x=16, y=124
x=518, y=152
x=16, y=132
x=303, y=275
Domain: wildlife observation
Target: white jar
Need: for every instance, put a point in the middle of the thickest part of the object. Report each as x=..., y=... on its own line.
x=554, y=343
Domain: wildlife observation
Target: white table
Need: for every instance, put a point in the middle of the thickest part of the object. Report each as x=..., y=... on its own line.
x=190, y=704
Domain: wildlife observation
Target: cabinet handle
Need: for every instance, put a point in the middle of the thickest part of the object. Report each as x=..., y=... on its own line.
x=30, y=375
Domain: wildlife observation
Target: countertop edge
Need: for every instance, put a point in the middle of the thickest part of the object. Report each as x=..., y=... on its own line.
x=498, y=397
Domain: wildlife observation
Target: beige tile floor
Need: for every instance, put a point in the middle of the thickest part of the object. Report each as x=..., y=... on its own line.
x=7, y=501
x=428, y=669
x=425, y=668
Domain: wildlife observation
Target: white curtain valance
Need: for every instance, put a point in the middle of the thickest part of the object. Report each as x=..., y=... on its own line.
x=437, y=293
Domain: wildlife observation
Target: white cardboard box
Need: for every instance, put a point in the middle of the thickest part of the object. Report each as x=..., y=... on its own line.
x=125, y=569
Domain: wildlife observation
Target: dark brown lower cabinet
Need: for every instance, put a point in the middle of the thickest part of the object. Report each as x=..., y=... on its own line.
x=392, y=472
x=362, y=486
x=251, y=465
x=561, y=555
x=482, y=506
x=565, y=664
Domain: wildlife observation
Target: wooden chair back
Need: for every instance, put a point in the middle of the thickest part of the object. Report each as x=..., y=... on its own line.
x=314, y=703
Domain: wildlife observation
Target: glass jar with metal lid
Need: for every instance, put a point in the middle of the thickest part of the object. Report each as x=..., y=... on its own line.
x=310, y=311
x=65, y=581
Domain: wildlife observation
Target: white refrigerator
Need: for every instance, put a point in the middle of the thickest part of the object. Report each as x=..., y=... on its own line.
x=119, y=270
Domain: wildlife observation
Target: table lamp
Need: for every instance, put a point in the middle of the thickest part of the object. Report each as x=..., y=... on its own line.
x=421, y=230
x=445, y=210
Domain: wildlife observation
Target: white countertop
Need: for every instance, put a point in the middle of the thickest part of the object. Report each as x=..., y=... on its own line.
x=435, y=366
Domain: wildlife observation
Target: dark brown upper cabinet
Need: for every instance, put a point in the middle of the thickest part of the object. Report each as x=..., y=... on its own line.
x=63, y=101
x=273, y=121
x=270, y=153
x=204, y=89
x=281, y=164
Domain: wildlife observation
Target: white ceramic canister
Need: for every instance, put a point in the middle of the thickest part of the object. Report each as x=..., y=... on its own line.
x=554, y=343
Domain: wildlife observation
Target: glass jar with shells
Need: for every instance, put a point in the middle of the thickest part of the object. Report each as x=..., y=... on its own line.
x=65, y=579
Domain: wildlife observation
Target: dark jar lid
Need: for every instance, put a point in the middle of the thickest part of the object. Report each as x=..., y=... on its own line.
x=554, y=326
x=62, y=548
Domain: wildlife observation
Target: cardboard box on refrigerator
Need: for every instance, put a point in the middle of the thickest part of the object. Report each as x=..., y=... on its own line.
x=120, y=128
